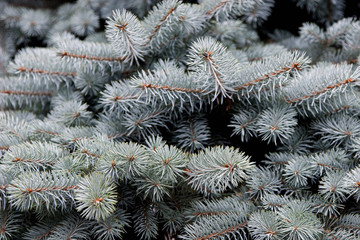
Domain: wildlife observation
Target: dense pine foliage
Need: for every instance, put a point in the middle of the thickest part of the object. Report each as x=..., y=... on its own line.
x=178, y=120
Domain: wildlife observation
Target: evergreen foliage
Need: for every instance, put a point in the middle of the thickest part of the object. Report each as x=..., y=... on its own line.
x=132, y=120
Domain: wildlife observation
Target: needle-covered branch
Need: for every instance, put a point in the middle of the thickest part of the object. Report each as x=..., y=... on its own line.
x=96, y=197
x=127, y=35
x=214, y=67
x=217, y=169
x=42, y=190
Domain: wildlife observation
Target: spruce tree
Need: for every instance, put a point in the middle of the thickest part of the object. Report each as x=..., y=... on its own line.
x=133, y=120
